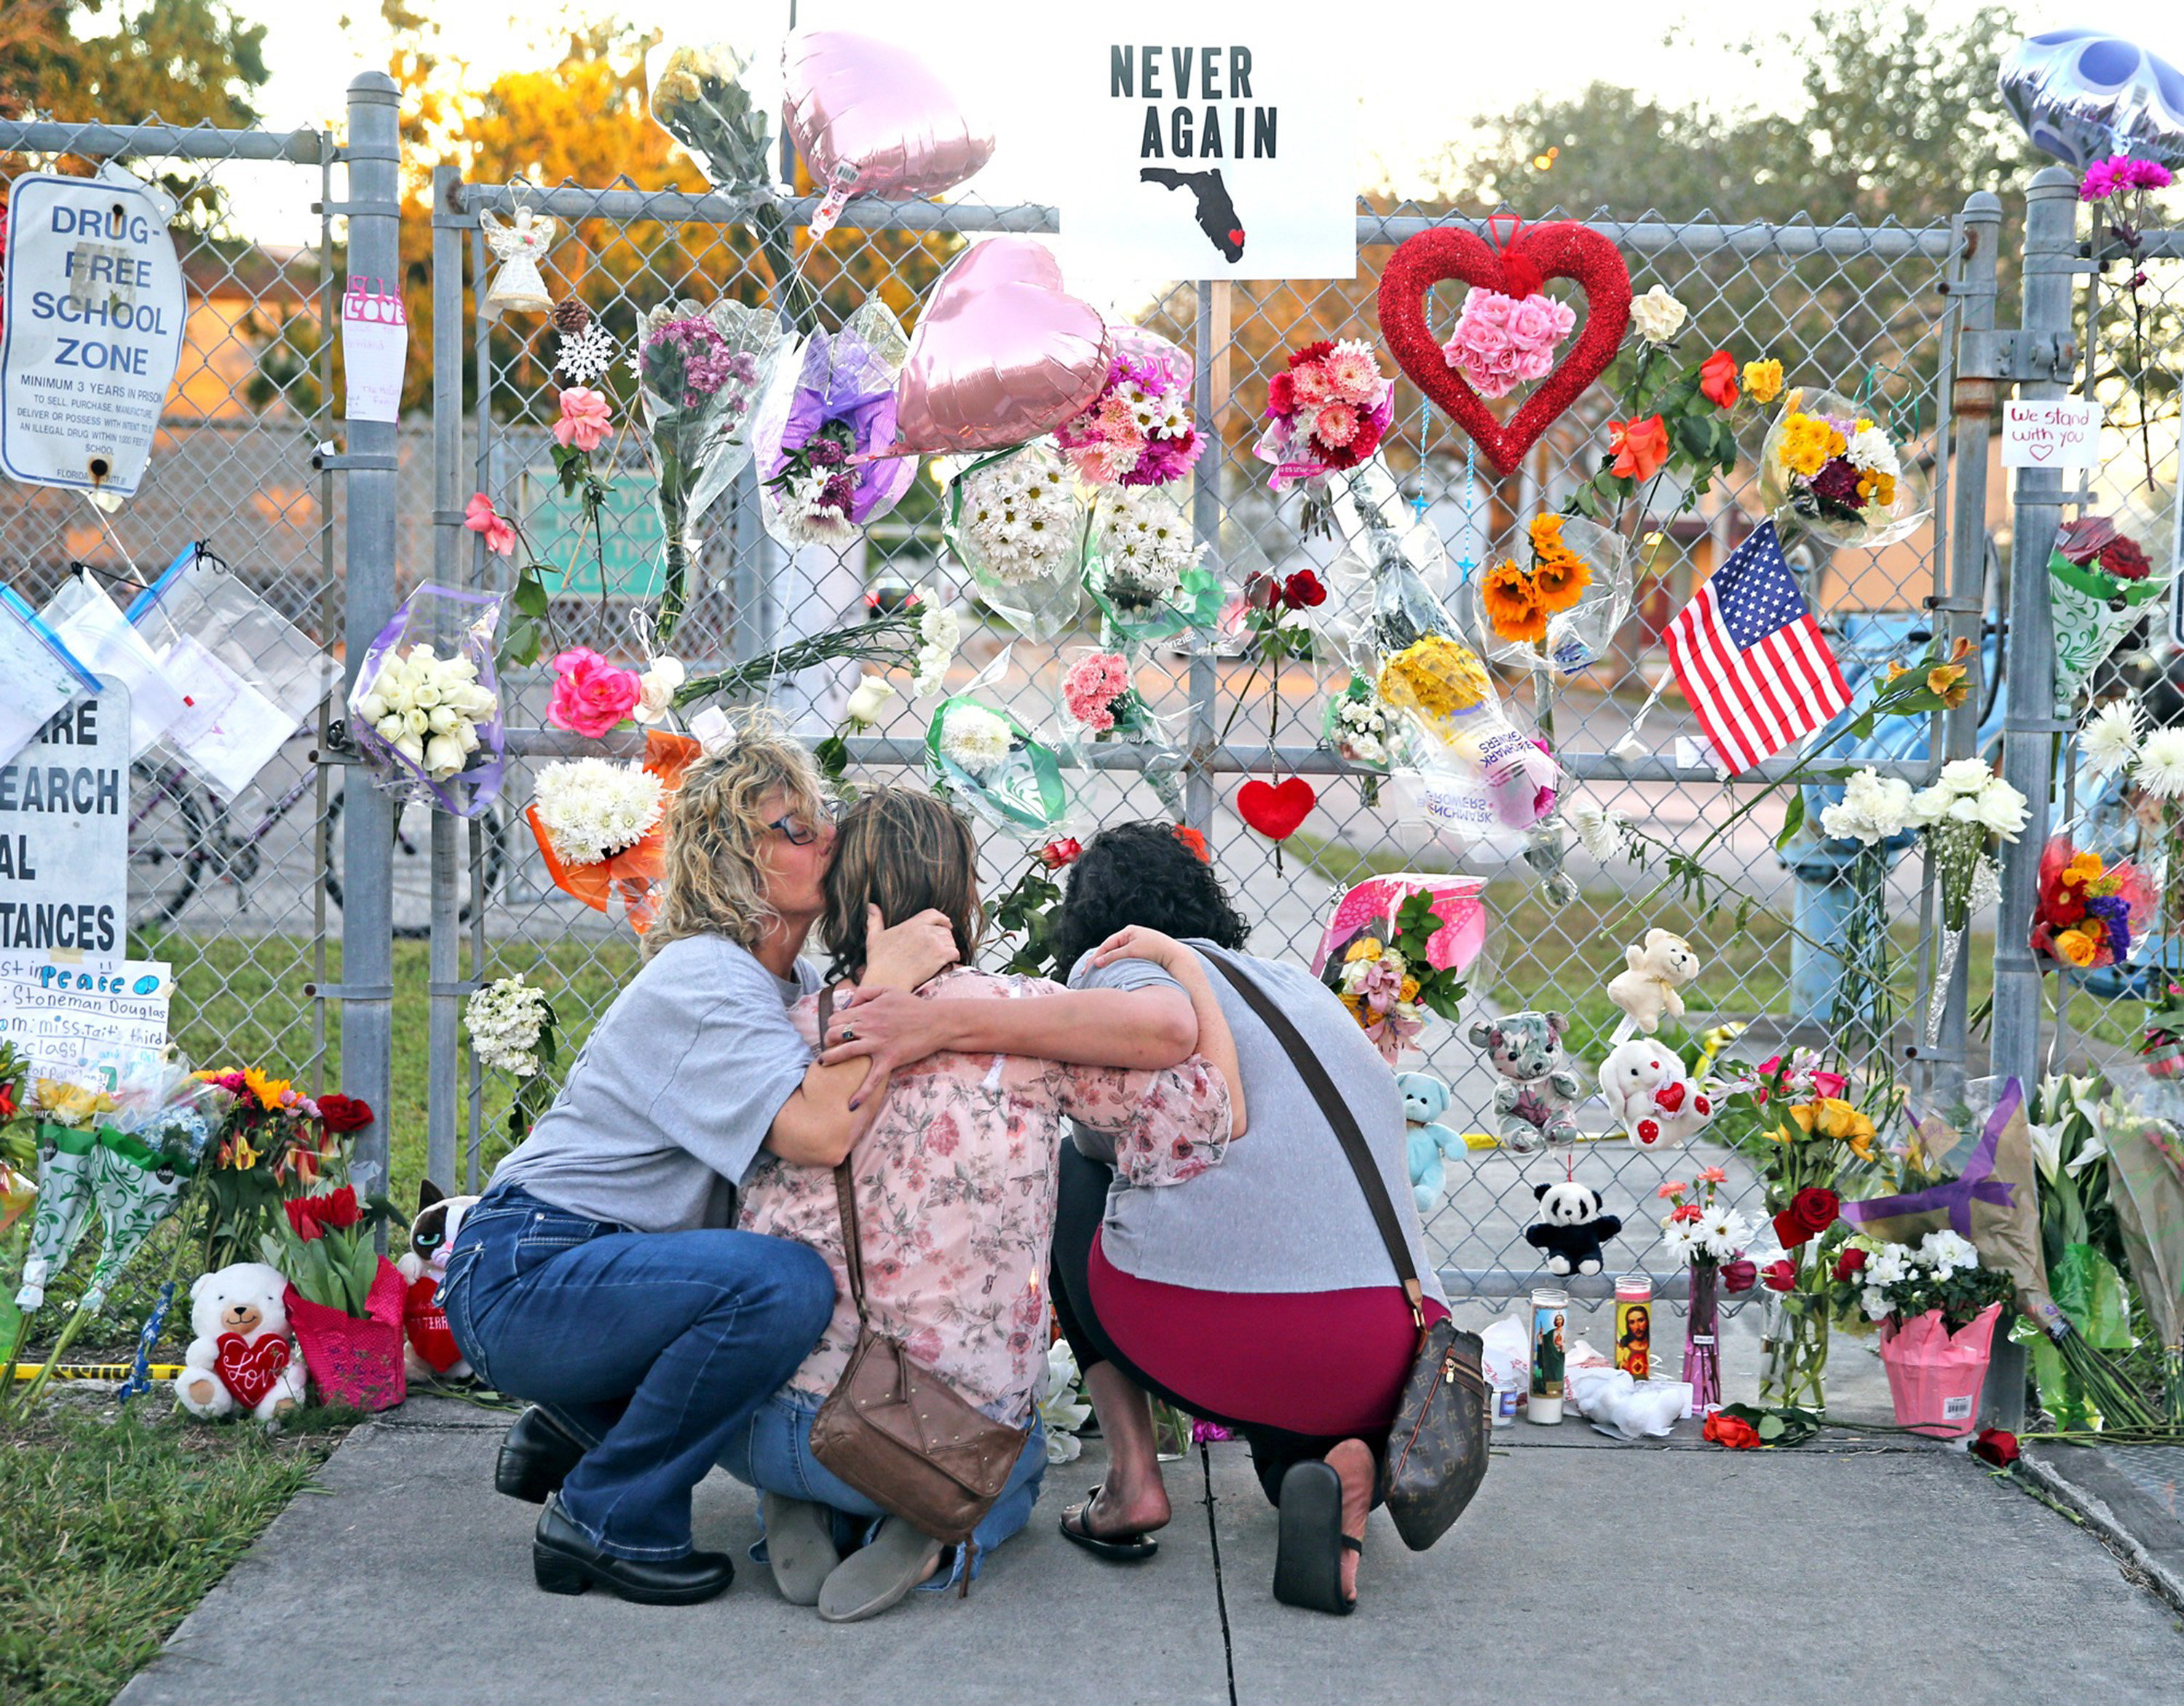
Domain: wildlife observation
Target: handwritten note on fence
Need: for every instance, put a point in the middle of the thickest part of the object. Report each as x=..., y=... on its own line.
x=2052, y=433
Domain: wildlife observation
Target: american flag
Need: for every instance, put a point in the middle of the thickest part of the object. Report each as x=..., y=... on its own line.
x=1750, y=657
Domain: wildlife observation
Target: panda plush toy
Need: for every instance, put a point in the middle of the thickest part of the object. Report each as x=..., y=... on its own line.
x=1570, y=1229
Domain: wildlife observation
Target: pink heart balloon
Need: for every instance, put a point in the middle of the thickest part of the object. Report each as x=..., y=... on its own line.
x=1001, y=354
x=869, y=118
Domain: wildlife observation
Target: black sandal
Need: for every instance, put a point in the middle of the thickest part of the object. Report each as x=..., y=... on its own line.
x=1308, y=1554
x=1120, y=1548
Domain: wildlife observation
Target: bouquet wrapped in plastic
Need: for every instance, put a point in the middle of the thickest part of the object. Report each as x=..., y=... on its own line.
x=1558, y=600
x=991, y=763
x=1143, y=568
x=701, y=373
x=1138, y=429
x=426, y=708
x=600, y=825
x=1830, y=466
x=1101, y=705
x=701, y=95
x=1326, y=413
x=1017, y=522
x=815, y=437
x=2100, y=583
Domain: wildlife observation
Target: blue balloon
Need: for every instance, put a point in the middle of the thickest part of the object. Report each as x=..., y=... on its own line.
x=2082, y=96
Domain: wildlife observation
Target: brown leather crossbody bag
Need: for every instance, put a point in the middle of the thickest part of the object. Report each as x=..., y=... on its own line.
x=897, y=1432
x=1437, y=1447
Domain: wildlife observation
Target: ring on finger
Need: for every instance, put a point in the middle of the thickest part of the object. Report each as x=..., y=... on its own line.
x=848, y=1034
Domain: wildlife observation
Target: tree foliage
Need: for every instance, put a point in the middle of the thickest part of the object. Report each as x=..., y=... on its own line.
x=184, y=61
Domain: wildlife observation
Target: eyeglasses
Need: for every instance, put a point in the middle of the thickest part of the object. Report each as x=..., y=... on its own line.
x=797, y=833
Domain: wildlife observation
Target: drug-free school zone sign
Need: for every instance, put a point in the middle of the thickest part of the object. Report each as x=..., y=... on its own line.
x=93, y=301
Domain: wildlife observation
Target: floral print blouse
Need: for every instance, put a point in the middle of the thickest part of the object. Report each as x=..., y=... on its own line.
x=955, y=1193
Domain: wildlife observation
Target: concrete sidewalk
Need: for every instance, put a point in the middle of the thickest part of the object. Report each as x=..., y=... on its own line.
x=1584, y=1571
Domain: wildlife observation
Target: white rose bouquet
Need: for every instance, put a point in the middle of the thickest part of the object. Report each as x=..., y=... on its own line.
x=425, y=713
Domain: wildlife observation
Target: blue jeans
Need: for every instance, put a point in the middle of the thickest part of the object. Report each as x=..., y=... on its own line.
x=772, y=1452
x=653, y=1348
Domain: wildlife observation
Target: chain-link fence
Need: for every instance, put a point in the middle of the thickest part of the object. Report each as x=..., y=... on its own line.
x=1868, y=311
x=239, y=894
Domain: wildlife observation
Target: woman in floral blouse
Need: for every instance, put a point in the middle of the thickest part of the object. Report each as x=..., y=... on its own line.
x=955, y=1183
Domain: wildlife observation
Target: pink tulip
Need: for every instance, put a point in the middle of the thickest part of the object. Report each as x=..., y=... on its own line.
x=586, y=420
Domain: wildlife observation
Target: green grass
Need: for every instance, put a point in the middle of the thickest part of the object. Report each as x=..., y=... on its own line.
x=111, y=1530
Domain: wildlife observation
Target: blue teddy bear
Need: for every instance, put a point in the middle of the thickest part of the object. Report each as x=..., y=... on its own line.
x=1425, y=1099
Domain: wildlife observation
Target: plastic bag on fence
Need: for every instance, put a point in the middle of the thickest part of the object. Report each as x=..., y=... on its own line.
x=1380, y=596
x=813, y=436
x=425, y=709
x=93, y=627
x=1556, y=601
x=248, y=676
x=42, y=674
x=708, y=99
x=989, y=762
x=1016, y=520
x=1100, y=705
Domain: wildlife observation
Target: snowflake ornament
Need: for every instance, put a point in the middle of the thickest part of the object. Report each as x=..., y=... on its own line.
x=587, y=355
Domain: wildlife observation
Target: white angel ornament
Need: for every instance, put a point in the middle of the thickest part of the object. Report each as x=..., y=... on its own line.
x=517, y=287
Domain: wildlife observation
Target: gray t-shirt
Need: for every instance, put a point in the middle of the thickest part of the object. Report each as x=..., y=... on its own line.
x=671, y=1095
x=1282, y=1211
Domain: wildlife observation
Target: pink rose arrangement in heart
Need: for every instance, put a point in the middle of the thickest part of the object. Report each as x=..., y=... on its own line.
x=1501, y=342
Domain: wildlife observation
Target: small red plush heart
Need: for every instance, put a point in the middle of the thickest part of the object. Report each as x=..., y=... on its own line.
x=1649, y=1130
x=426, y=1325
x=1533, y=255
x=1275, y=811
x=248, y=1370
x=1669, y=1098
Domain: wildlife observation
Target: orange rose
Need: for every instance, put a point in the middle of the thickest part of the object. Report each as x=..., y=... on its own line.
x=1718, y=379
x=1641, y=448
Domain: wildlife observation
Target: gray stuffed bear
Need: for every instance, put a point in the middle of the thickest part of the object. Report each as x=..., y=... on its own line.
x=1533, y=1105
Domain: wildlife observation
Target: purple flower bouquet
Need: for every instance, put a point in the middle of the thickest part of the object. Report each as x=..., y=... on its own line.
x=813, y=438
x=701, y=372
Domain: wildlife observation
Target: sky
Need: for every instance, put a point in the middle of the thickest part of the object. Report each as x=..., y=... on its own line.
x=1454, y=65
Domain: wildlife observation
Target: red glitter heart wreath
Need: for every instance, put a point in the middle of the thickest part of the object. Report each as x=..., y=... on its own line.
x=1533, y=255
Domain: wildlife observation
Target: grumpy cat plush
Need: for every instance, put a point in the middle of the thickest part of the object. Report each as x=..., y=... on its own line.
x=429, y=1351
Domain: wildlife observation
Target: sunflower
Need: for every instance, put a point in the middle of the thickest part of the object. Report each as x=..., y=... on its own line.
x=1560, y=578
x=1512, y=603
x=1546, y=534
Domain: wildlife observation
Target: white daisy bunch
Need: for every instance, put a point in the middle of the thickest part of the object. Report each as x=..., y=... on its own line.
x=975, y=740
x=2110, y=736
x=1870, y=453
x=1942, y=1271
x=2113, y=737
x=591, y=808
x=939, y=632
x=807, y=516
x=1719, y=1235
x=1020, y=516
x=1361, y=729
x=506, y=1020
x=427, y=708
x=1145, y=543
x=1873, y=807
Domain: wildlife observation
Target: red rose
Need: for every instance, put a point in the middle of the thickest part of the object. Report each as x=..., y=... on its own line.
x=301, y=1220
x=1739, y=1275
x=1263, y=592
x=1996, y=1446
x=1731, y=1431
x=2123, y=559
x=1817, y=1207
x=1780, y=1276
x=1057, y=853
x=344, y=1113
x=1718, y=379
x=1303, y=590
x=1281, y=395
x=1851, y=1262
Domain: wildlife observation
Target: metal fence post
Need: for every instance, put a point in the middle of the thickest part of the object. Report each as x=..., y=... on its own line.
x=1206, y=502
x=2051, y=207
x=367, y=1020
x=1971, y=410
x=444, y=1025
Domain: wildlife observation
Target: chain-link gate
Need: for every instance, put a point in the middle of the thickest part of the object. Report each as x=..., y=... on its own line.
x=1871, y=309
x=242, y=896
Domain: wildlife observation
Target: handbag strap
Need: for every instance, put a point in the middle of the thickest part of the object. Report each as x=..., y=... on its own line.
x=1338, y=1115
x=845, y=1190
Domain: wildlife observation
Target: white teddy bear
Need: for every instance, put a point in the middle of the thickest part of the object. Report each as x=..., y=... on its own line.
x=1651, y=1096
x=242, y=1358
x=1646, y=988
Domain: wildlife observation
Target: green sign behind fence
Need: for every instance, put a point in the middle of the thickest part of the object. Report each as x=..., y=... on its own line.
x=631, y=543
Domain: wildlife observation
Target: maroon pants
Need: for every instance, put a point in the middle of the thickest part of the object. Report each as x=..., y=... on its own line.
x=1294, y=1373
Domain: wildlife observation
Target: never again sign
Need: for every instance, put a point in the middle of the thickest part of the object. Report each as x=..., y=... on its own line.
x=94, y=307
x=64, y=836
x=1189, y=141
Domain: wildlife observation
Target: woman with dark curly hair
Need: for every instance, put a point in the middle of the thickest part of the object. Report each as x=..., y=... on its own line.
x=1259, y=1293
